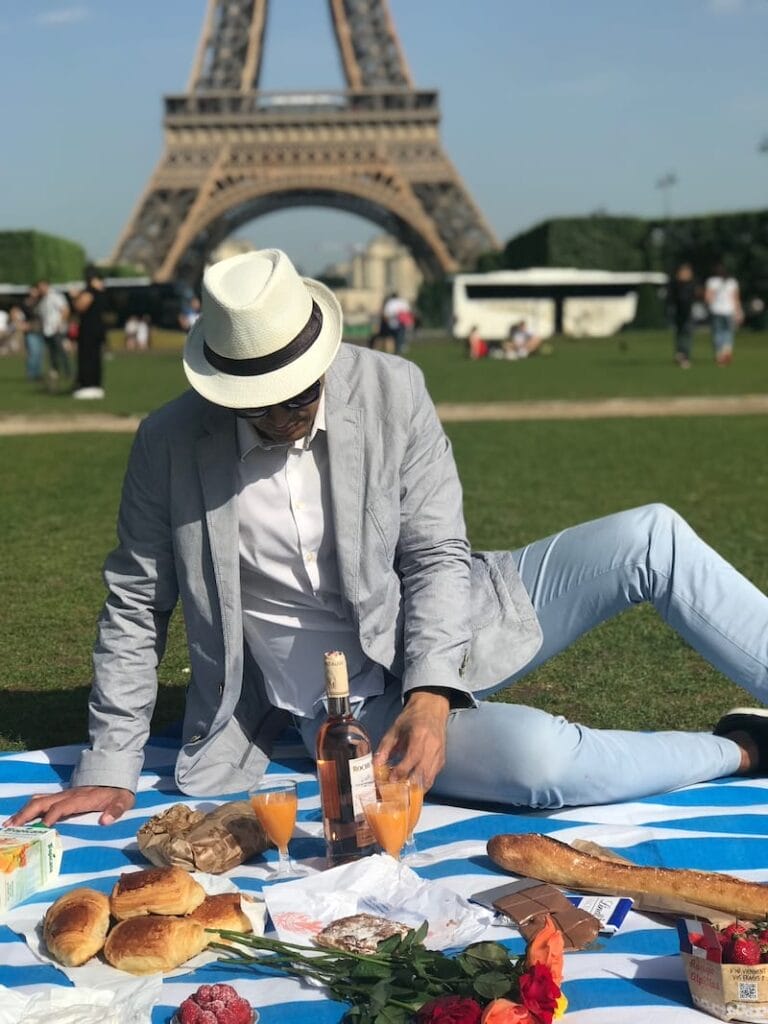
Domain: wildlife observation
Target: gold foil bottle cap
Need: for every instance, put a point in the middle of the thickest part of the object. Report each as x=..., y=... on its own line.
x=336, y=678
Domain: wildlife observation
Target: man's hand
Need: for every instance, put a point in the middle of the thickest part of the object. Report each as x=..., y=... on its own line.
x=417, y=737
x=52, y=807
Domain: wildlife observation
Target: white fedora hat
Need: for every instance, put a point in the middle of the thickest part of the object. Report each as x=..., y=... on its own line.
x=264, y=335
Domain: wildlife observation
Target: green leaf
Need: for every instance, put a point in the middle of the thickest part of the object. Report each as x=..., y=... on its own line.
x=389, y=945
x=488, y=952
x=380, y=995
x=492, y=985
x=369, y=969
x=392, y=1015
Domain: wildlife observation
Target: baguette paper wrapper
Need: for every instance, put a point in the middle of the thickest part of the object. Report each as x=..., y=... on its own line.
x=213, y=842
x=651, y=904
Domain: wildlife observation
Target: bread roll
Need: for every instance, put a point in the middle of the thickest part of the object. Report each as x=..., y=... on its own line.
x=222, y=911
x=76, y=926
x=155, y=891
x=147, y=945
x=549, y=860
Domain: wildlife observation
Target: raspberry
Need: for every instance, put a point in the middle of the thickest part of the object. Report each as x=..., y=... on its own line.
x=189, y=1012
x=223, y=993
x=203, y=995
x=743, y=951
x=206, y=1017
x=237, y=1012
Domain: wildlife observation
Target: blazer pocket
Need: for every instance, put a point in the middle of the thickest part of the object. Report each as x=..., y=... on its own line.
x=385, y=524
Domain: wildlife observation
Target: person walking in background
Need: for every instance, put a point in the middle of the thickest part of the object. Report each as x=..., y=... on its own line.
x=90, y=304
x=682, y=295
x=724, y=304
x=33, y=338
x=53, y=311
x=396, y=318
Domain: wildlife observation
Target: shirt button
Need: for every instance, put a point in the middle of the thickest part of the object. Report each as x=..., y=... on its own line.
x=310, y=556
x=300, y=505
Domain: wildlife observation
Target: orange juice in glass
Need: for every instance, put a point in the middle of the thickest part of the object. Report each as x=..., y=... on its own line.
x=387, y=817
x=275, y=804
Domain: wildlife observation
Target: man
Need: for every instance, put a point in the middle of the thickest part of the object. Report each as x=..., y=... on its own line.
x=303, y=497
x=53, y=312
x=682, y=295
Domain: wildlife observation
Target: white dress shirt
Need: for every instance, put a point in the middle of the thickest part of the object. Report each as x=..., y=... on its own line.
x=293, y=608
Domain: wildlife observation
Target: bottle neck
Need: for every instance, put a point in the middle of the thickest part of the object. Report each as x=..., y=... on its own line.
x=338, y=707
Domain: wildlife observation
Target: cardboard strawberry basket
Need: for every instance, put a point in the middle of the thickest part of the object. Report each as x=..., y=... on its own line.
x=728, y=991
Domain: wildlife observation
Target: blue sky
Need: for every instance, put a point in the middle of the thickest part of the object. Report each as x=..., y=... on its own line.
x=549, y=106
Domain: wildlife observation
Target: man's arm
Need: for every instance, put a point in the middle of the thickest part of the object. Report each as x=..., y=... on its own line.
x=433, y=561
x=141, y=581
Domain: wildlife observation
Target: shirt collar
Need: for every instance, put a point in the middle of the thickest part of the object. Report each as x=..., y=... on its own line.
x=249, y=438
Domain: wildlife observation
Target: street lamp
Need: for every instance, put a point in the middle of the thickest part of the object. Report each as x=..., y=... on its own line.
x=664, y=184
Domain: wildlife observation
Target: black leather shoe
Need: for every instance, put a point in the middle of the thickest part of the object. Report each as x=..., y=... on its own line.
x=753, y=722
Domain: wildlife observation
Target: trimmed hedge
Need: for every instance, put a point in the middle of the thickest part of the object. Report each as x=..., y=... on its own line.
x=28, y=256
x=632, y=243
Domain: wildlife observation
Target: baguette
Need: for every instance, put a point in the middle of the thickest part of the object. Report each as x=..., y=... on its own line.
x=549, y=860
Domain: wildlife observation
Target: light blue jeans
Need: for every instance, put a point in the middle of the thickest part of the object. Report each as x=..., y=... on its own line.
x=722, y=333
x=576, y=579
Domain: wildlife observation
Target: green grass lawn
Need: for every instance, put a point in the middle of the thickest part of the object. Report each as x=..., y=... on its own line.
x=635, y=363
x=521, y=480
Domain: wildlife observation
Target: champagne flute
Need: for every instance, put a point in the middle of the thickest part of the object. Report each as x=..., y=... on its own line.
x=387, y=816
x=275, y=803
x=415, y=803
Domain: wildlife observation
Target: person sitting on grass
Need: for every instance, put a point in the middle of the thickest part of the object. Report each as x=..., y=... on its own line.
x=303, y=497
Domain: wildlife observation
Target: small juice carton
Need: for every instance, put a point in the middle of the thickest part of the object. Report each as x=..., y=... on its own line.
x=737, y=992
x=30, y=858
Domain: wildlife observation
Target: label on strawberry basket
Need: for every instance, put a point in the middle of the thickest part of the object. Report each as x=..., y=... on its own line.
x=362, y=781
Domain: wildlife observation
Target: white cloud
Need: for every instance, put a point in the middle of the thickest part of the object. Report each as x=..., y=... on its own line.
x=62, y=16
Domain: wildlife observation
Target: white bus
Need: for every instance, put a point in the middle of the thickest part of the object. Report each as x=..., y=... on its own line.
x=551, y=300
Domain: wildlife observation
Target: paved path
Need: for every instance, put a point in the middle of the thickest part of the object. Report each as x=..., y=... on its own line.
x=605, y=408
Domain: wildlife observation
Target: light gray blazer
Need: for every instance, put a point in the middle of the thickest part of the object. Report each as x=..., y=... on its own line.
x=426, y=609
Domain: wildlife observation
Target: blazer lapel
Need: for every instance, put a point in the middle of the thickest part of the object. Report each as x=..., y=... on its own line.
x=344, y=427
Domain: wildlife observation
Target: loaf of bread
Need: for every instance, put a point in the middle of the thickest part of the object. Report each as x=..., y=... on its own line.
x=155, y=891
x=76, y=926
x=147, y=945
x=222, y=911
x=549, y=860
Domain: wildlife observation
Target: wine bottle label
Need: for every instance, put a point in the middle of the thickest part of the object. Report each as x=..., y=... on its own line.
x=336, y=678
x=363, y=782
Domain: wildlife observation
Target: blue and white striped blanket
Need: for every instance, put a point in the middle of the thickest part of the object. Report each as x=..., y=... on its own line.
x=634, y=977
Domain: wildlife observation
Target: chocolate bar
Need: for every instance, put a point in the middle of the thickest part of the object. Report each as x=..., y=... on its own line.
x=527, y=903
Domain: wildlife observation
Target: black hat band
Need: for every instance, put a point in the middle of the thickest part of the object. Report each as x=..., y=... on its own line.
x=273, y=360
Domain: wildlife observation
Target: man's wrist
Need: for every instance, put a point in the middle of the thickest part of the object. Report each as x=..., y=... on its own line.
x=436, y=698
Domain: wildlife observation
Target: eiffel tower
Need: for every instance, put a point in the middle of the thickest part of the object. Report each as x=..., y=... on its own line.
x=234, y=152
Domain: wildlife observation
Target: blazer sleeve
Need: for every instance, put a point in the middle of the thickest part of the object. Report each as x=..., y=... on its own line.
x=433, y=555
x=142, y=592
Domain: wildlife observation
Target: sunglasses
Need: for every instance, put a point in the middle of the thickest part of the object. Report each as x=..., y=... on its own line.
x=307, y=397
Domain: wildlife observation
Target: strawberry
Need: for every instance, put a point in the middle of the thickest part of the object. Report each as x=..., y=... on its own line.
x=743, y=951
x=763, y=935
x=737, y=928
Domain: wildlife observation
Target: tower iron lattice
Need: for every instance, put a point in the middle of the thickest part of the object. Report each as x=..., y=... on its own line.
x=234, y=152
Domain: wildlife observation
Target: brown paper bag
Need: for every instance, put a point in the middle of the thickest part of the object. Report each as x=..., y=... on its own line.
x=214, y=842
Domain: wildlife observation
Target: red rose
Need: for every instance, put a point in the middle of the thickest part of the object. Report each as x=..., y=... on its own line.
x=539, y=993
x=450, y=1010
